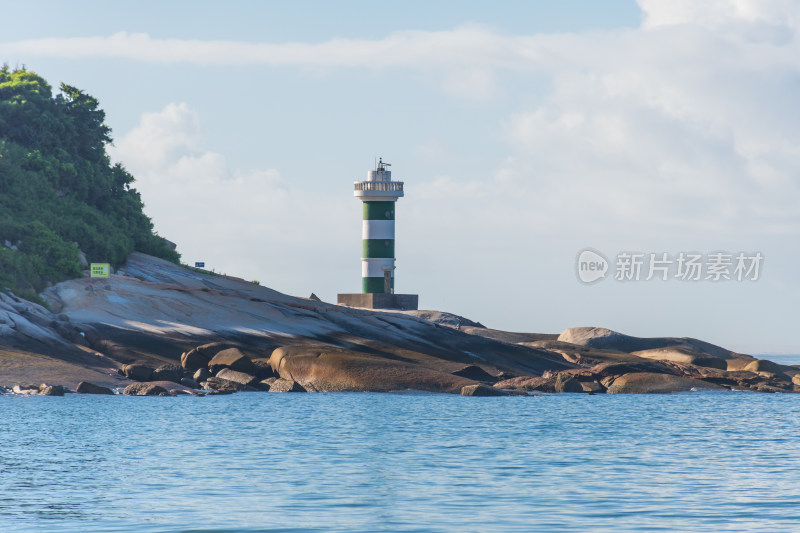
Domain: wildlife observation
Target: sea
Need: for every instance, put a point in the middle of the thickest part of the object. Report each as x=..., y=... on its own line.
x=414, y=462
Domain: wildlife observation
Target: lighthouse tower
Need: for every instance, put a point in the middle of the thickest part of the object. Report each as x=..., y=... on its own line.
x=378, y=195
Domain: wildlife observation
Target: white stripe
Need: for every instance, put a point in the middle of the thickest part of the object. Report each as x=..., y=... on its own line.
x=373, y=268
x=377, y=229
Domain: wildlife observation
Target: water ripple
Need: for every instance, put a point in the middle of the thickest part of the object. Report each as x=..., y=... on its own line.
x=371, y=462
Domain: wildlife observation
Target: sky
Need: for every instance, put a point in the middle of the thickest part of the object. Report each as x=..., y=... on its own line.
x=525, y=131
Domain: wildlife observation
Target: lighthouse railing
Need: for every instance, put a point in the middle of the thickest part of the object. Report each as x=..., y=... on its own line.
x=382, y=186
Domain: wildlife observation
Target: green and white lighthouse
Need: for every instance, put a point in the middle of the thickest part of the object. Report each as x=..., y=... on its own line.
x=378, y=195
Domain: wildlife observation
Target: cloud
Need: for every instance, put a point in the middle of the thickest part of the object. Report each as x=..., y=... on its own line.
x=236, y=221
x=459, y=48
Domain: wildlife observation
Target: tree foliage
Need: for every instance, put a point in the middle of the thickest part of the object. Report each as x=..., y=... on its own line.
x=59, y=192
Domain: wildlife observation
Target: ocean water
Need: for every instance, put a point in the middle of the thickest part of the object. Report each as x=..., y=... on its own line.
x=710, y=461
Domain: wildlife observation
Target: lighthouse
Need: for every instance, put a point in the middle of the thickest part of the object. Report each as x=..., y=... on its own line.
x=378, y=195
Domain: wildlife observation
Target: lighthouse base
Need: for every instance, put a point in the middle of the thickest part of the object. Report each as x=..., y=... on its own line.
x=381, y=300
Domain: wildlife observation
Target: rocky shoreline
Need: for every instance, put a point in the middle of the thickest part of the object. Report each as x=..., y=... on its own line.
x=155, y=328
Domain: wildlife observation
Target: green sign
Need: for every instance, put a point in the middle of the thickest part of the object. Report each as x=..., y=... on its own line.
x=100, y=270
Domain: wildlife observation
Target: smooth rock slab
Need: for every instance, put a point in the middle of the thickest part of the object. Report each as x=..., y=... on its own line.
x=84, y=387
x=649, y=382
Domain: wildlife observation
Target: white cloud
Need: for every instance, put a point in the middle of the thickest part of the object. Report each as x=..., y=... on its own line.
x=235, y=221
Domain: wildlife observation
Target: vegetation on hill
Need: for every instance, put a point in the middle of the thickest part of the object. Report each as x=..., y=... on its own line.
x=59, y=192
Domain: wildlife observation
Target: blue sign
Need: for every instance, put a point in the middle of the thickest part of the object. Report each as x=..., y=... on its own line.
x=199, y=264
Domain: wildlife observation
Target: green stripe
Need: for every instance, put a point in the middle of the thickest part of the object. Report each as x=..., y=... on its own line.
x=378, y=210
x=370, y=285
x=377, y=248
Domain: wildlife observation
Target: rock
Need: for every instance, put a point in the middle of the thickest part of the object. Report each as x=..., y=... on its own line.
x=314, y=297
x=265, y=384
x=796, y=379
x=481, y=390
x=606, y=339
x=51, y=390
x=567, y=383
x=200, y=356
x=739, y=363
x=201, y=375
x=682, y=355
x=528, y=383
x=167, y=372
x=476, y=373
x=617, y=369
x=26, y=389
x=770, y=388
x=145, y=389
x=649, y=382
x=189, y=382
x=234, y=359
x=217, y=384
x=217, y=392
x=329, y=369
x=84, y=387
x=237, y=377
x=285, y=385
x=137, y=372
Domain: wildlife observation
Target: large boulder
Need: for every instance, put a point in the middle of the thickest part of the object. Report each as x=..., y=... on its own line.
x=234, y=359
x=145, y=389
x=237, y=377
x=481, y=390
x=649, y=382
x=167, y=372
x=328, y=369
x=137, y=372
x=84, y=387
x=200, y=356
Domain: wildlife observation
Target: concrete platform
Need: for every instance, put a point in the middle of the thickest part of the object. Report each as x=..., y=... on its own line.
x=401, y=302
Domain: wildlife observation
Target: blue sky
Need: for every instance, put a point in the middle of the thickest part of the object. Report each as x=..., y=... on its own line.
x=525, y=132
